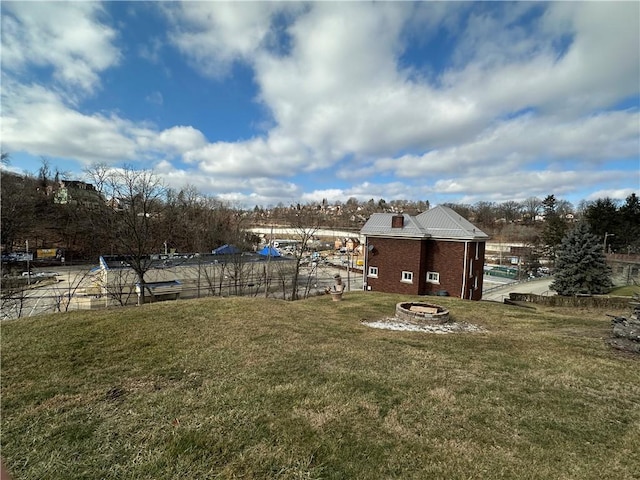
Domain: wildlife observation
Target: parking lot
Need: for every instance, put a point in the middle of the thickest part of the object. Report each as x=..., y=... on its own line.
x=58, y=289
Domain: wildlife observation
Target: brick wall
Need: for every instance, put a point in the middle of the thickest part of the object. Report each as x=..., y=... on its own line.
x=393, y=256
x=446, y=259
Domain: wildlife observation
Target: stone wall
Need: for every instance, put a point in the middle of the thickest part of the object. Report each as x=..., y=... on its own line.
x=595, y=301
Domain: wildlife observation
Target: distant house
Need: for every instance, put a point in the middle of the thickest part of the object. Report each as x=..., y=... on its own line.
x=75, y=192
x=436, y=252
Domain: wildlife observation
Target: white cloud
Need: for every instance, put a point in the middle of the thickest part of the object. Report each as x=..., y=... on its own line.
x=519, y=142
x=68, y=38
x=614, y=193
x=343, y=101
x=215, y=34
x=38, y=121
x=509, y=185
x=182, y=138
x=599, y=68
x=241, y=190
x=340, y=91
x=155, y=98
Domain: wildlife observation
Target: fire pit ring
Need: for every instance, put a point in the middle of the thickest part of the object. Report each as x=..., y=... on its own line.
x=422, y=313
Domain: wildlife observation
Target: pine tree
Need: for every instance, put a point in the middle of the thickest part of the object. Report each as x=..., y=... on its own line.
x=555, y=227
x=580, y=264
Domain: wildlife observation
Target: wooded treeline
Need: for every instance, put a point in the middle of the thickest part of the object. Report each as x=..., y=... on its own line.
x=130, y=210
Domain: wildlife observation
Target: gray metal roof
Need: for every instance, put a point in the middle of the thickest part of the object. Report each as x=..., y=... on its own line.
x=443, y=222
x=379, y=224
x=439, y=222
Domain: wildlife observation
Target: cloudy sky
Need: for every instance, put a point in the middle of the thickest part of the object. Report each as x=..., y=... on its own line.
x=260, y=103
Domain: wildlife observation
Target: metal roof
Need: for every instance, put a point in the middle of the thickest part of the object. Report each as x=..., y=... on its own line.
x=379, y=224
x=439, y=222
x=443, y=222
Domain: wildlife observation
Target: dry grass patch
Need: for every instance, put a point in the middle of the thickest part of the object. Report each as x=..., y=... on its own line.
x=255, y=388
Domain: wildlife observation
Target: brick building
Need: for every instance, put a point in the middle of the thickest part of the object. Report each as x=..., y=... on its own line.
x=435, y=252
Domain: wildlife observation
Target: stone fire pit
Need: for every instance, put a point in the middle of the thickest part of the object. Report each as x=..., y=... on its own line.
x=423, y=317
x=422, y=313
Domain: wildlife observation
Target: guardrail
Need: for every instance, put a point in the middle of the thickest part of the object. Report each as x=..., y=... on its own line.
x=518, y=282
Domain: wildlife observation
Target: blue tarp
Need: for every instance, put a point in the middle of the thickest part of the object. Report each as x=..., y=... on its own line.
x=226, y=249
x=267, y=250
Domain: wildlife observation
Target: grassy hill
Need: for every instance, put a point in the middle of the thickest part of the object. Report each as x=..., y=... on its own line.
x=256, y=388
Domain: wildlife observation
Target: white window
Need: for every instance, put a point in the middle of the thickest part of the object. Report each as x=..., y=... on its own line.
x=433, y=277
x=407, y=277
x=373, y=272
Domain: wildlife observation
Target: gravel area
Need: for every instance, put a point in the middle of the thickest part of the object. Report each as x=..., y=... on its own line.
x=453, y=327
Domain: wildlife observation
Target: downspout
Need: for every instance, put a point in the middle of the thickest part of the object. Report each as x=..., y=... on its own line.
x=365, y=263
x=464, y=270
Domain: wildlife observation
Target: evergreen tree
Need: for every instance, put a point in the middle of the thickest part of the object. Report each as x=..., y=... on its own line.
x=629, y=234
x=580, y=264
x=555, y=227
x=603, y=218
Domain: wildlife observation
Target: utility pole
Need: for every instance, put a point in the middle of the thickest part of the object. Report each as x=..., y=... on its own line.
x=266, y=270
x=28, y=268
x=604, y=248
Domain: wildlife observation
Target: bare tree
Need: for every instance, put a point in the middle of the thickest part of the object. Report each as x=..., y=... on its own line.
x=134, y=233
x=18, y=208
x=13, y=298
x=116, y=285
x=510, y=210
x=305, y=224
x=99, y=175
x=64, y=292
x=532, y=207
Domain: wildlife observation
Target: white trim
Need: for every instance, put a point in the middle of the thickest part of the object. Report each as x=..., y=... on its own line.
x=408, y=275
x=464, y=270
x=436, y=280
x=370, y=272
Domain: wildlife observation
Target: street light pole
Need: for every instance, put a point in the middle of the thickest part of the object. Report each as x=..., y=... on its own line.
x=28, y=269
x=605, y=241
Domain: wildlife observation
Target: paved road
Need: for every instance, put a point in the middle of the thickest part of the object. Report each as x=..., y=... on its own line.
x=48, y=296
x=538, y=287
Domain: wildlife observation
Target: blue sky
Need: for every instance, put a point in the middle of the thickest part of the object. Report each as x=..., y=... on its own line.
x=261, y=103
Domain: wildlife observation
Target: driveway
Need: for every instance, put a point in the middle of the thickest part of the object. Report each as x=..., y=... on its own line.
x=539, y=286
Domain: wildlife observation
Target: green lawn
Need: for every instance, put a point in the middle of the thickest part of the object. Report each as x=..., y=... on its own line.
x=626, y=291
x=256, y=388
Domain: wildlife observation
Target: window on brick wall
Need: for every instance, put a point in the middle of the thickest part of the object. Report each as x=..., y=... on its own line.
x=433, y=277
x=407, y=277
x=373, y=272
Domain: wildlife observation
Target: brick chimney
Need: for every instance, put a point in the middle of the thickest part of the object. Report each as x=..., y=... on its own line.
x=397, y=221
